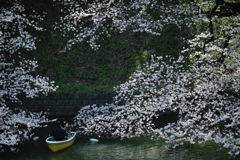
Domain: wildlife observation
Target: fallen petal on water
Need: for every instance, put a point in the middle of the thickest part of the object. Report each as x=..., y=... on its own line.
x=35, y=138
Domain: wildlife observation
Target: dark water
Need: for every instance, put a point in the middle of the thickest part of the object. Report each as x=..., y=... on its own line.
x=140, y=148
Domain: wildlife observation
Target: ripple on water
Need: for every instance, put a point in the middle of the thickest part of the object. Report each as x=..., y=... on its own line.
x=142, y=148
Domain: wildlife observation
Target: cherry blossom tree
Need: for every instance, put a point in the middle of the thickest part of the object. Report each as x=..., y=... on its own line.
x=17, y=75
x=13, y=30
x=92, y=20
x=207, y=111
x=205, y=94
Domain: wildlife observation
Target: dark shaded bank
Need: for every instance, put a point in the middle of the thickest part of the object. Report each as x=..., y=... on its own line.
x=68, y=105
x=61, y=104
x=165, y=118
x=161, y=121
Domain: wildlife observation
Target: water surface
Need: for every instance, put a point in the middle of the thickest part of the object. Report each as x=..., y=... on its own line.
x=140, y=148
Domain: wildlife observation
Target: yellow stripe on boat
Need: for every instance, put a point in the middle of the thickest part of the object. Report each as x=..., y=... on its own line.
x=59, y=145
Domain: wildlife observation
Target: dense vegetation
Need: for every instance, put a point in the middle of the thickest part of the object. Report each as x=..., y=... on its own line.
x=83, y=69
x=197, y=76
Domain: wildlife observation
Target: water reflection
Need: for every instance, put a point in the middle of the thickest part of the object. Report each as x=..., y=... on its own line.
x=134, y=149
x=141, y=148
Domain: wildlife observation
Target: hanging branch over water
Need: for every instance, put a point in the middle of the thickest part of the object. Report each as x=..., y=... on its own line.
x=17, y=75
x=206, y=94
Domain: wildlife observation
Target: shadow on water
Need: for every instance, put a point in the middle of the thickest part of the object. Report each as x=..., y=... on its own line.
x=140, y=148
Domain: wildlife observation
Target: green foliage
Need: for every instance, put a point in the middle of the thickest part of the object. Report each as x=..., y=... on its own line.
x=83, y=70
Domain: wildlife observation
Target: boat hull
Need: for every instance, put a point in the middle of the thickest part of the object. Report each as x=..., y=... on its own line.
x=60, y=145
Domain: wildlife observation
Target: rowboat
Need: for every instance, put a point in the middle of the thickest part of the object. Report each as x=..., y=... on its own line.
x=59, y=145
